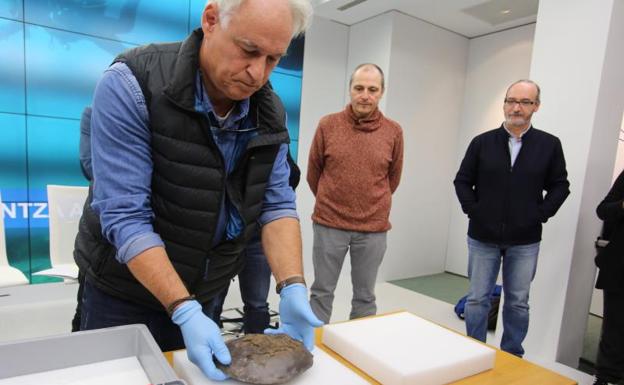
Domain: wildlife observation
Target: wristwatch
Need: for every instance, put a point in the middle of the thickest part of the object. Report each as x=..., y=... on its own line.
x=289, y=281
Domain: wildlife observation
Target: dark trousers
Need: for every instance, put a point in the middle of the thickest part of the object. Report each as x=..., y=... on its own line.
x=610, y=361
x=254, y=282
x=76, y=319
x=101, y=310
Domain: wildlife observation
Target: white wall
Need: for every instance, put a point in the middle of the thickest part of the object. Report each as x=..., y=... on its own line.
x=494, y=62
x=578, y=57
x=323, y=91
x=445, y=89
x=425, y=67
x=424, y=94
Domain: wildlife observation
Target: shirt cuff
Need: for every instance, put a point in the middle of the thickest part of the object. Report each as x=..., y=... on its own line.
x=270, y=216
x=136, y=246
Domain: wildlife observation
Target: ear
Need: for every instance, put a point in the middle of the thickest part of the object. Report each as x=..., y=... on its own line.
x=537, y=107
x=210, y=18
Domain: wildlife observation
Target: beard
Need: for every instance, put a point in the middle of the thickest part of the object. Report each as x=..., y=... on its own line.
x=517, y=120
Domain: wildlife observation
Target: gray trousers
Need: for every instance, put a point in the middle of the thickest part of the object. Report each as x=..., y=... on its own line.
x=329, y=250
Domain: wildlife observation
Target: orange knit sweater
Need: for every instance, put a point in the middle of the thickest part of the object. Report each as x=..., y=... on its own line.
x=353, y=169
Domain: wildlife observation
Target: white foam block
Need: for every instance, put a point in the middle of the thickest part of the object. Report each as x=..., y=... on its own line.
x=123, y=371
x=401, y=349
x=326, y=370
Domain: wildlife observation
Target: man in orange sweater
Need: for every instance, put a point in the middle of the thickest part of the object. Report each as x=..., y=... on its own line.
x=354, y=167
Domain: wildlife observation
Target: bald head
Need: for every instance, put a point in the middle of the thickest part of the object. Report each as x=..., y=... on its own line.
x=366, y=67
x=522, y=100
x=526, y=83
x=366, y=89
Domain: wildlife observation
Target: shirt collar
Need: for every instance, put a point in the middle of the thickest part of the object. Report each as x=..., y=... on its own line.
x=521, y=134
x=202, y=104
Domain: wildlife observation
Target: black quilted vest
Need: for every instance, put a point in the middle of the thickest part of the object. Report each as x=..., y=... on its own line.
x=188, y=180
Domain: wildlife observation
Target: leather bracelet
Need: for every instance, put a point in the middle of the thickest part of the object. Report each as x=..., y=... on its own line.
x=172, y=306
x=289, y=281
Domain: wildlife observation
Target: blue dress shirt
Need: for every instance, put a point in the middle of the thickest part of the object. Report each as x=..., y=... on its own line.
x=122, y=164
x=515, y=144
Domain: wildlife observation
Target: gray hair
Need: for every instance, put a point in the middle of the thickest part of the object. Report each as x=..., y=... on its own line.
x=370, y=66
x=527, y=81
x=301, y=12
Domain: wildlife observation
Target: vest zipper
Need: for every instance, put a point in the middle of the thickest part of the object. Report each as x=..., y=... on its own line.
x=503, y=227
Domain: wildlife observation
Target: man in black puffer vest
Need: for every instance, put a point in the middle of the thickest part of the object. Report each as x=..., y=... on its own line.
x=189, y=162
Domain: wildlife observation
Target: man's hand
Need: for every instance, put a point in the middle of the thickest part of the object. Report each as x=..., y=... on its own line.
x=202, y=339
x=296, y=317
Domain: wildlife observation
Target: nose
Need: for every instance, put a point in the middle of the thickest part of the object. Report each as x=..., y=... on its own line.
x=256, y=69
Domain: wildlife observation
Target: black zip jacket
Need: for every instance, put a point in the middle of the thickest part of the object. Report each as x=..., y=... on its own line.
x=506, y=205
x=610, y=259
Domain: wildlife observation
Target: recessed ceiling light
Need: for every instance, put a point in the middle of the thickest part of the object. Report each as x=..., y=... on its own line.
x=506, y=11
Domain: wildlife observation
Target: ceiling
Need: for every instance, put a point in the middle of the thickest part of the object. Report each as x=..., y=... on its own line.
x=469, y=18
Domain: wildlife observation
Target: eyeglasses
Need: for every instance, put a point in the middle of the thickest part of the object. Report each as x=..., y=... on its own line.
x=522, y=103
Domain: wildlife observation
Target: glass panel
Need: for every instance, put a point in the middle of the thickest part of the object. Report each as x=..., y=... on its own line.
x=294, y=148
x=12, y=67
x=289, y=90
x=11, y=9
x=197, y=7
x=50, y=73
x=52, y=155
x=292, y=62
x=13, y=185
x=62, y=69
x=13, y=188
x=132, y=21
x=40, y=244
x=17, y=243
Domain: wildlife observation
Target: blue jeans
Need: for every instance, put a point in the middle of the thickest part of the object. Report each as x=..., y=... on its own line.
x=101, y=310
x=254, y=282
x=519, y=265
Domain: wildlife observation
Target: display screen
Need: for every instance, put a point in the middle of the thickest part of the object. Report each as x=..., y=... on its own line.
x=54, y=53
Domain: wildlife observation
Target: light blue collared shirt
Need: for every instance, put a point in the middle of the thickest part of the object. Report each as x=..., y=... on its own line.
x=515, y=144
x=122, y=165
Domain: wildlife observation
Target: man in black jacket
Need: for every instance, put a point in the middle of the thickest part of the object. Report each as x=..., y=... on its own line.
x=610, y=261
x=500, y=185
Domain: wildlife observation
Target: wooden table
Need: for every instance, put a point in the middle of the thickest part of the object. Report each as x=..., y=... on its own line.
x=508, y=370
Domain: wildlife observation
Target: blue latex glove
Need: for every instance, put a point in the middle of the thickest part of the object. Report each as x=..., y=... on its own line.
x=296, y=317
x=202, y=338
